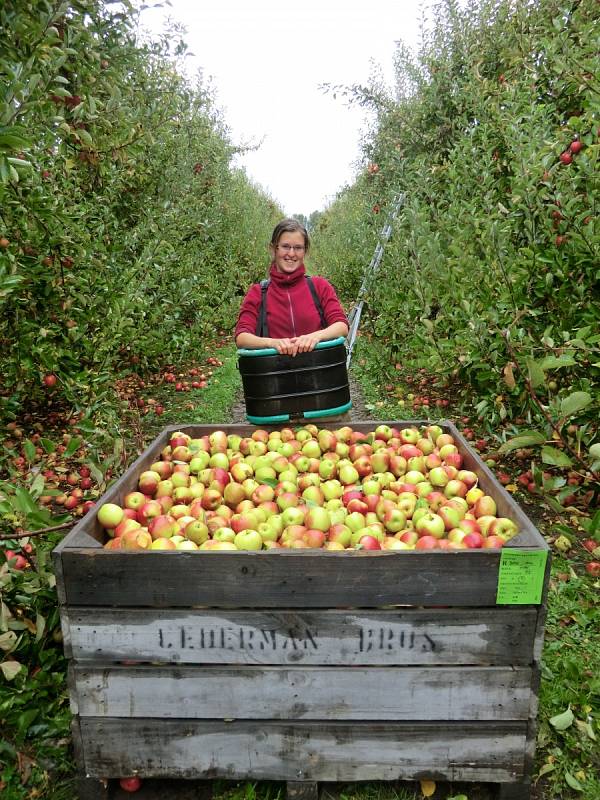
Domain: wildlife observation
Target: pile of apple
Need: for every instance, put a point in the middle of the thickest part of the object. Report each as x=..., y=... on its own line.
x=390, y=489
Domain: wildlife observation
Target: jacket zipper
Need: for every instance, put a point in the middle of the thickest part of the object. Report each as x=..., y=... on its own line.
x=291, y=312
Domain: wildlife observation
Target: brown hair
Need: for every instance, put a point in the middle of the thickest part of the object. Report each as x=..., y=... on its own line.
x=289, y=225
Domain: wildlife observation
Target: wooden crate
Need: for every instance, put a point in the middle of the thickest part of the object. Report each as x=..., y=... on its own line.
x=300, y=666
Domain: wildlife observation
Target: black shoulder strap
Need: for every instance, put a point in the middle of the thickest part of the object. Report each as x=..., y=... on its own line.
x=262, y=328
x=317, y=302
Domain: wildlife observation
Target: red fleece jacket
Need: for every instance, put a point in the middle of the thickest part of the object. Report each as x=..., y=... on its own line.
x=291, y=310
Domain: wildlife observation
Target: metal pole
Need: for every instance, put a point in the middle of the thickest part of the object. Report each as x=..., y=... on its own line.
x=355, y=314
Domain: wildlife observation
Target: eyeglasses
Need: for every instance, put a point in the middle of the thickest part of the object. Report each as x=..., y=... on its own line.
x=297, y=248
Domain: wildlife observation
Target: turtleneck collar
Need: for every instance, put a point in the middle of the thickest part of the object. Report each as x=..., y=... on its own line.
x=284, y=279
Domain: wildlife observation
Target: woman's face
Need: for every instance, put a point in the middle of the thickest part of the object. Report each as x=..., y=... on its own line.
x=288, y=254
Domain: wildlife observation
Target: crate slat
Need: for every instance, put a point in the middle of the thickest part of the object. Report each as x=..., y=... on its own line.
x=328, y=693
x=303, y=751
x=328, y=637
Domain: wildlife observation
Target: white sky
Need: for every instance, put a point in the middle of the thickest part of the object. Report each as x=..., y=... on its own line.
x=267, y=58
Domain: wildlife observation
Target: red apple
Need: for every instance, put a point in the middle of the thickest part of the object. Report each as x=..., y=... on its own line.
x=130, y=784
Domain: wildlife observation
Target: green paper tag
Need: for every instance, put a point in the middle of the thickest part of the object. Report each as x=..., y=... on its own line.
x=521, y=576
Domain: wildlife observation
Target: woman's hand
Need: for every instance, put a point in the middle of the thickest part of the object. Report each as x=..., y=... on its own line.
x=308, y=342
x=297, y=344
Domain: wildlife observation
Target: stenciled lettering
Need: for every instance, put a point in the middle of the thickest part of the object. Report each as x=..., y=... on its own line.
x=384, y=639
x=231, y=639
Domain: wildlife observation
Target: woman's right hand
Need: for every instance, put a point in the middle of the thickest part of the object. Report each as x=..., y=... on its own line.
x=285, y=347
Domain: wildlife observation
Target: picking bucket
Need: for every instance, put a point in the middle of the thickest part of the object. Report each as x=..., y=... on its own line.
x=279, y=388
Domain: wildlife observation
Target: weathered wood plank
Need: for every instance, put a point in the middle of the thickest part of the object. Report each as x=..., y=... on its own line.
x=283, y=578
x=304, y=751
x=328, y=637
x=249, y=692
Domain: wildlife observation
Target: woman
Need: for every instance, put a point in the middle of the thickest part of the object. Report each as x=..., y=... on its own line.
x=294, y=312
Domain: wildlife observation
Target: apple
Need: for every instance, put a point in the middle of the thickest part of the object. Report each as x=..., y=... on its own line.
x=493, y=542
x=397, y=465
x=148, y=481
x=341, y=534
x=438, y=477
x=314, y=537
x=409, y=435
x=367, y=542
x=248, y=539
x=138, y=539
x=126, y=524
x=504, y=527
x=224, y=534
x=332, y=489
x=430, y=524
x=394, y=520
x=132, y=784
x=313, y=495
x=293, y=515
x=451, y=517
x=455, y=488
x=456, y=535
x=473, y=540
x=427, y=543
x=468, y=477
x=134, y=500
x=485, y=506
x=163, y=527
x=110, y=515
x=473, y=495
x=186, y=544
x=348, y=474
x=318, y=518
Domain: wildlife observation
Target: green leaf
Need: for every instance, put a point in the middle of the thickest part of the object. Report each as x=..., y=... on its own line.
x=40, y=627
x=556, y=362
x=8, y=641
x=562, y=721
x=85, y=137
x=545, y=769
x=536, y=373
x=555, y=457
x=37, y=487
x=73, y=446
x=586, y=728
x=26, y=718
x=48, y=445
x=573, y=782
x=526, y=439
x=574, y=403
x=10, y=669
x=29, y=448
x=24, y=502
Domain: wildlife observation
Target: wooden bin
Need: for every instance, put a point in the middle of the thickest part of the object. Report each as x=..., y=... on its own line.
x=299, y=666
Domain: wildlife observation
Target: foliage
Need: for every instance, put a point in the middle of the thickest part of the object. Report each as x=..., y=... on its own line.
x=570, y=686
x=122, y=220
x=492, y=135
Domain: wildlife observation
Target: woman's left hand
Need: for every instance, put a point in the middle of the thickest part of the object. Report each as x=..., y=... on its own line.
x=306, y=343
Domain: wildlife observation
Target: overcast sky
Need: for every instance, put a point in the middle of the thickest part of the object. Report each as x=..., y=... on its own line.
x=267, y=59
